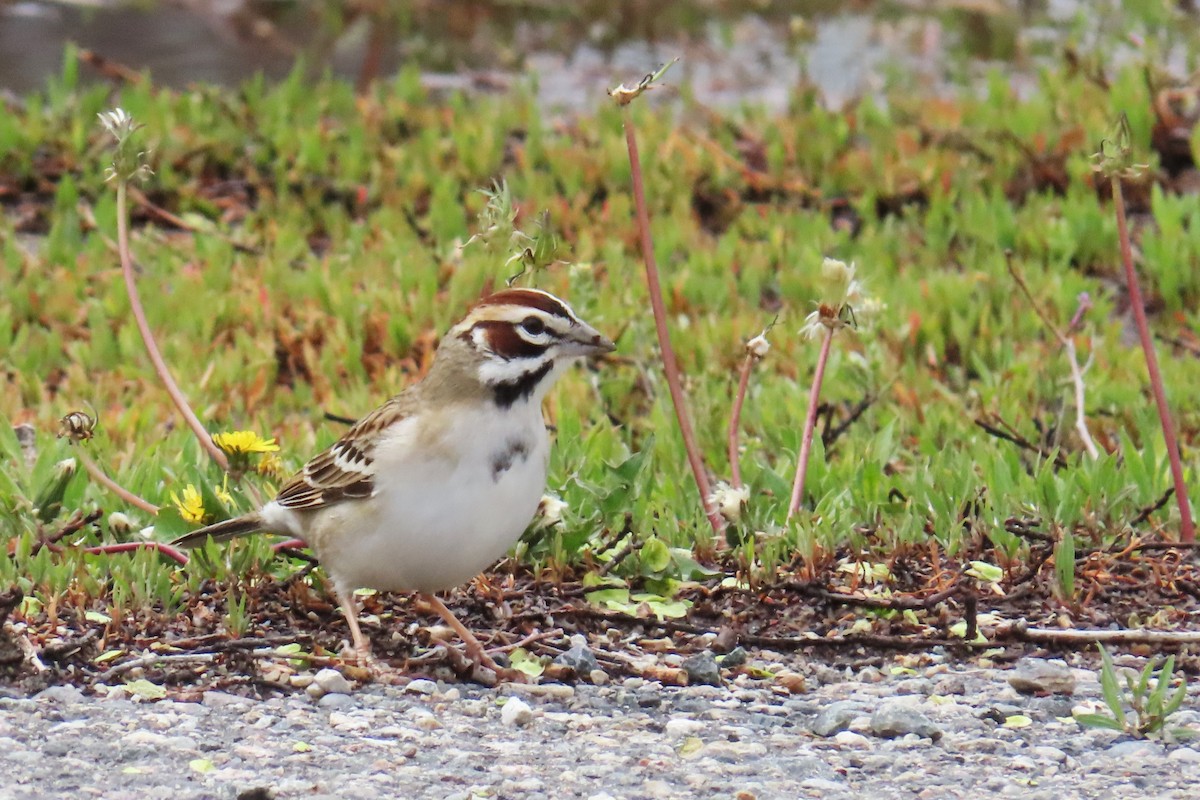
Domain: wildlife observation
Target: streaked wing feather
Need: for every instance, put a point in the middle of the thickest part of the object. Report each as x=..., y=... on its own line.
x=344, y=471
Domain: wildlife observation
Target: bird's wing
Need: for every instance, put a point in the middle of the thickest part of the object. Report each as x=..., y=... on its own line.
x=346, y=470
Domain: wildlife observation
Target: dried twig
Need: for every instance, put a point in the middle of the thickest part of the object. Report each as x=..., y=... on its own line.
x=1145, y=513
x=1020, y=441
x=830, y=435
x=150, y=659
x=630, y=547
x=896, y=602
x=60, y=651
x=1021, y=631
x=1068, y=344
x=76, y=523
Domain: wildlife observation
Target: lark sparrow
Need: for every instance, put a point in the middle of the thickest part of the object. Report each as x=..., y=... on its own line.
x=437, y=483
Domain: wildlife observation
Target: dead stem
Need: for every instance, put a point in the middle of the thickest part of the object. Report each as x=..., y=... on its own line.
x=1068, y=344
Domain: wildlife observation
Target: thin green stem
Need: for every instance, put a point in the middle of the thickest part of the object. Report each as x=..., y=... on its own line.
x=139, y=316
x=810, y=425
x=1187, y=530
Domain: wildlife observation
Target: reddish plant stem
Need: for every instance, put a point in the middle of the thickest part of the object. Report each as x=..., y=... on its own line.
x=139, y=316
x=1187, y=530
x=108, y=483
x=810, y=425
x=670, y=366
x=128, y=547
x=735, y=422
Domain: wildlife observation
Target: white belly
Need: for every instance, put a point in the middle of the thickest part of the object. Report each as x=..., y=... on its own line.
x=443, y=509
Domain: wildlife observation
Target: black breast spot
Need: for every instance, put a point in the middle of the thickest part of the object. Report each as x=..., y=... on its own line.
x=503, y=460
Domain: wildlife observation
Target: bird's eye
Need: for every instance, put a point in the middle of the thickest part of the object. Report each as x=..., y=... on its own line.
x=533, y=326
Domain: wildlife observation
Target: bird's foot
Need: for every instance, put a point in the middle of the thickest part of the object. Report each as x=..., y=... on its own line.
x=361, y=665
x=482, y=660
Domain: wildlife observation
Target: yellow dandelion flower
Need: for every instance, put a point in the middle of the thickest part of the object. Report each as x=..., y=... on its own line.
x=241, y=442
x=270, y=465
x=222, y=492
x=191, y=505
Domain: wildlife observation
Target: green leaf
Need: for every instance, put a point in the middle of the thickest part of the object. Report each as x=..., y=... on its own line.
x=1017, y=721
x=656, y=556
x=1064, y=565
x=146, y=690
x=96, y=616
x=521, y=660
x=985, y=572
x=202, y=765
x=691, y=745
x=688, y=568
x=604, y=596
x=1109, y=688
x=1099, y=721
x=1159, y=696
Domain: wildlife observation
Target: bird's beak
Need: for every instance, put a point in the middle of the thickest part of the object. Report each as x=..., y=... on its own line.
x=584, y=340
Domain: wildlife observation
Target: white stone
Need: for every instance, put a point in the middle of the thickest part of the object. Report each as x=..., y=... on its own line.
x=682, y=727
x=426, y=721
x=347, y=722
x=332, y=682
x=516, y=712
x=421, y=686
x=1184, y=755
x=851, y=739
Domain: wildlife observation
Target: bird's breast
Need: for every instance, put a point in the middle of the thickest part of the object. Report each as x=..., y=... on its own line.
x=450, y=498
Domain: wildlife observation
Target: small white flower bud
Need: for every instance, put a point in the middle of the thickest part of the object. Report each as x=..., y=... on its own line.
x=549, y=511
x=730, y=501
x=119, y=523
x=758, y=346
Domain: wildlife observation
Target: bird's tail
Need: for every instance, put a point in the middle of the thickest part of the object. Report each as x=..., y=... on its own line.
x=221, y=531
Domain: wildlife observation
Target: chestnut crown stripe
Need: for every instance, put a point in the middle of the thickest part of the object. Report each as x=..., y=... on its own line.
x=529, y=298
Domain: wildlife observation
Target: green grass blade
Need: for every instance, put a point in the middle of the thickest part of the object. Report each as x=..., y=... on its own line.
x=1109, y=687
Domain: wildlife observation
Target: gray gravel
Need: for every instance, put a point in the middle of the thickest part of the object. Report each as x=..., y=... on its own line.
x=930, y=731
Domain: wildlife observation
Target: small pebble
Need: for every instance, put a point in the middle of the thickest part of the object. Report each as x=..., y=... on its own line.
x=702, y=668
x=332, y=682
x=421, y=686
x=516, y=712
